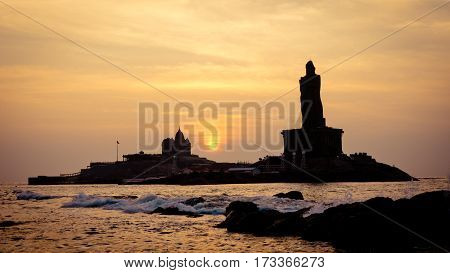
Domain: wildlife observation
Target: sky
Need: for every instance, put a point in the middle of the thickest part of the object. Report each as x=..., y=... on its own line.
x=61, y=107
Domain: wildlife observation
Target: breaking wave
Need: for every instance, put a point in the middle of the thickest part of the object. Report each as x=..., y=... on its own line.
x=213, y=205
x=29, y=195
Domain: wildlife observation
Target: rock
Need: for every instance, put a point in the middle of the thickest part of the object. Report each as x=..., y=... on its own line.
x=237, y=213
x=348, y=222
x=288, y=223
x=383, y=225
x=253, y=222
x=194, y=201
x=246, y=217
x=295, y=195
x=241, y=207
x=380, y=224
x=174, y=211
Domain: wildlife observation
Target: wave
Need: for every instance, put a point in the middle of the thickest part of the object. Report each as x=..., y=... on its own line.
x=29, y=195
x=90, y=201
x=213, y=205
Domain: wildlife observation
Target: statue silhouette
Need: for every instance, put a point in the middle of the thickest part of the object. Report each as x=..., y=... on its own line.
x=311, y=103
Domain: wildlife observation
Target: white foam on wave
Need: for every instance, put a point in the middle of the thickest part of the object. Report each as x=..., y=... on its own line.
x=29, y=195
x=213, y=205
x=146, y=204
x=89, y=201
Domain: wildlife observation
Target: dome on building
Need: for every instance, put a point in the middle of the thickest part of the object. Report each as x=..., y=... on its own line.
x=179, y=136
x=178, y=145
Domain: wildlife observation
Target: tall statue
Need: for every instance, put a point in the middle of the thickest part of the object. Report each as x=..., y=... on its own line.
x=311, y=104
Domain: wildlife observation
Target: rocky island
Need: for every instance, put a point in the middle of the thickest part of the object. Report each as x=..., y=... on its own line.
x=312, y=153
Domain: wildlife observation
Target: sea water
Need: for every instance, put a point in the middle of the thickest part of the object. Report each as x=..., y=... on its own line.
x=117, y=218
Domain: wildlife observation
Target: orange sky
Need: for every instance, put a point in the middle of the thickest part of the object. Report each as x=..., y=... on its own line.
x=61, y=107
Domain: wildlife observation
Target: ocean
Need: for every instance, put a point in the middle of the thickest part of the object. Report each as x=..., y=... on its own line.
x=117, y=218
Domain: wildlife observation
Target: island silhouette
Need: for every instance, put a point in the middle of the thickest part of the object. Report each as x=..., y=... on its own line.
x=312, y=153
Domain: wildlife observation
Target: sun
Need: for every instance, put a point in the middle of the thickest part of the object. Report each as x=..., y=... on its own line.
x=213, y=142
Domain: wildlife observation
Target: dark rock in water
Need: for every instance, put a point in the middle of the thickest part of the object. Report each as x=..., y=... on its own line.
x=9, y=223
x=296, y=195
x=237, y=213
x=347, y=222
x=288, y=223
x=419, y=224
x=246, y=217
x=174, y=211
x=194, y=201
x=380, y=224
x=253, y=222
x=242, y=207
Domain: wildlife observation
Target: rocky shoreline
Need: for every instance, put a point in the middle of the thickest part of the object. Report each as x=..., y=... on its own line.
x=418, y=224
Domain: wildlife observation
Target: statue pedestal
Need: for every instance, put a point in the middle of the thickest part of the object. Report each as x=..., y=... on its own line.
x=303, y=144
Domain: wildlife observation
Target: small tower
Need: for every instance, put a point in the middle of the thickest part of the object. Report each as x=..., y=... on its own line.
x=176, y=146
